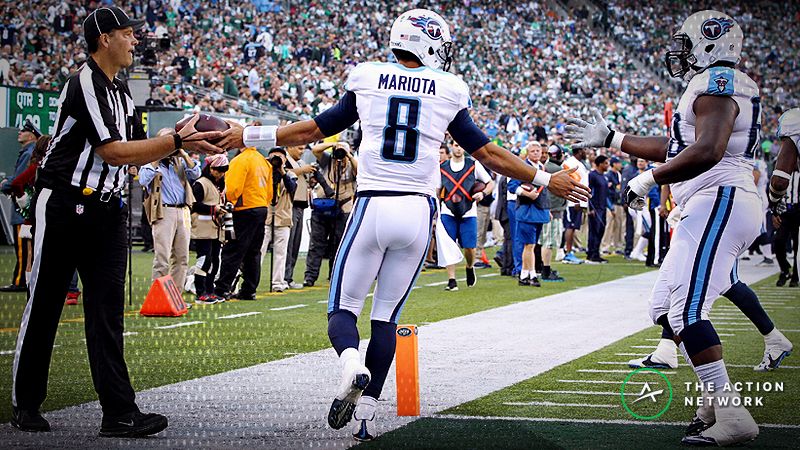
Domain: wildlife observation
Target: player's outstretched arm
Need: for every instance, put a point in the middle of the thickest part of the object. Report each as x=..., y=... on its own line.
x=505, y=163
x=333, y=121
x=598, y=134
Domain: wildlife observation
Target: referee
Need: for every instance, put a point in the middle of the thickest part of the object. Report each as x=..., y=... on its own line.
x=80, y=222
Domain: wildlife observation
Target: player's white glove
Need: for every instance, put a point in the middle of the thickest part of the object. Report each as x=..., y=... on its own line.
x=638, y=188
x=596, y=134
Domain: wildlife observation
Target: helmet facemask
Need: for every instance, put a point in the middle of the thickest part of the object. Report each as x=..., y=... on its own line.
x=679, y=60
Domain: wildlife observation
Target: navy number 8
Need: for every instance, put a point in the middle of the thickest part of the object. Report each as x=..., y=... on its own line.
x=400, y=135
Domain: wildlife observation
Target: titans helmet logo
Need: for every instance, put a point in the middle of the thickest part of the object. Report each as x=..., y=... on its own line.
x=713, y=29
x=429, y=26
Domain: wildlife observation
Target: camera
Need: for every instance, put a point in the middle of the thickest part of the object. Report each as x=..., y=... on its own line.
x=227, y=222
x=339, y=153
x=149, y=46
x=276, y=162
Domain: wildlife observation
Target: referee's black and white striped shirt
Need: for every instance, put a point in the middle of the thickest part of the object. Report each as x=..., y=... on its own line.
x=793, y=192
x=92, y=111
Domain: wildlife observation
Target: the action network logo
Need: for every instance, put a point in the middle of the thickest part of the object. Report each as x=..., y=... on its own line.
x=646, y=393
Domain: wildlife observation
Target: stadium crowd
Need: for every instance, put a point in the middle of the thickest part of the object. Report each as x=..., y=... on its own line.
x=528, y=67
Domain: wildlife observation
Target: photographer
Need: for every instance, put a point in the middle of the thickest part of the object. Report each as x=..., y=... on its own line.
x=279, y=218
x=339, y=171
x=248, y=186
x=169, y=197
x=208, y=214
x=299, y=205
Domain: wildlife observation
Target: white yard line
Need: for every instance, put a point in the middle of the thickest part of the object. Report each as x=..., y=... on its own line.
x=605, y=382
x=621, y=371
x=554, y=404
x=178, y=325
x=236, y=316
x=646, y=423
x=285, y=308
x=612, y=393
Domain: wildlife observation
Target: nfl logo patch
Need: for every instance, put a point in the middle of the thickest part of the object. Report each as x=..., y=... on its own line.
x=79, y=209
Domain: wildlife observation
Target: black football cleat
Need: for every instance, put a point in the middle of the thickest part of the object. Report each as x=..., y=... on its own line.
x=31, y=421
x=133, y=425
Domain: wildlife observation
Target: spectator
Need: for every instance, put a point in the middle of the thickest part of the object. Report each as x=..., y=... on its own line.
x=533, y=210
x=170, y=195
x=327, y=227
x=299, y=204
x=279, y=218
x=615, y=226
x=27, y=136
x=248, y=186
x=459, y=209
x=553, y=230
x=573, y=215
x=207, y=217
x=597, y=209
x=630, y=171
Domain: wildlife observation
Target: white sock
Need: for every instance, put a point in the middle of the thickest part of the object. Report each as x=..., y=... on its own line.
x=524, y=274
x=348, y=357
x=28, y=278
x=365, y=409
x=774, y=336
x=666, y=348
x=715, y=374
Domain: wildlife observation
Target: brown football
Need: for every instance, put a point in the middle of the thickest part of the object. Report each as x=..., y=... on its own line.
x=479, y=186
x=206, y=122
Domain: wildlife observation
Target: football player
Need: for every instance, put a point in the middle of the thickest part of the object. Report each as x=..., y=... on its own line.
x=786, y=164
x=709, y=168
x=405, y=108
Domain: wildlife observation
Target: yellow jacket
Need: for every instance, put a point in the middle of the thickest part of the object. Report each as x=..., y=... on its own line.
x=248, y=182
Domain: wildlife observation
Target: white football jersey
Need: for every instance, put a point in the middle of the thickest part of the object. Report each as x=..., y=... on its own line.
x=789, y=127
x=404, y=115
x=736, y=167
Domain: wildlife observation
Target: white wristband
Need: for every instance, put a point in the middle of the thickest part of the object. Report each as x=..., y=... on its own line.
x=616, y=141
x=541, y=178
x=260, y=137
x=781, y=174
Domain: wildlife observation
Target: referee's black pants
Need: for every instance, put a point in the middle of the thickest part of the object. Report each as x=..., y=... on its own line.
x=244, y=252
x=788, y=231
x=72, y=231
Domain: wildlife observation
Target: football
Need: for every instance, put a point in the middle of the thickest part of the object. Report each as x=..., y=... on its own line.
x=206, y=122
x=479, y=186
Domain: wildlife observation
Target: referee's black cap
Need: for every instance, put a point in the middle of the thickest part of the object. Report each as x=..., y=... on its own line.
x=105, y=20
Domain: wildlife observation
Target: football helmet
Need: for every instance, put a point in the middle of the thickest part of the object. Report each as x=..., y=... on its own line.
x=705, y=38
x=424, y=34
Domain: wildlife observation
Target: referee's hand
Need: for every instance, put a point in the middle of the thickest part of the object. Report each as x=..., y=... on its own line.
x=199, y=141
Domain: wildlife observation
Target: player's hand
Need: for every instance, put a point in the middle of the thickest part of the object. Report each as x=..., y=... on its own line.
x=563, y=185
x=233, y=137
x=663, y=212
x=197, y=141
x=638, y=188
x=588, y=134
x=478, y=196
x=776, y=221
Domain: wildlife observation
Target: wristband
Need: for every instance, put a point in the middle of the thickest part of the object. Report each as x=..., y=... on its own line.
x=616, y=142
x=176, y=138
x=264, y=137
x=776, y=195
x=781, y=174
x=541, y=178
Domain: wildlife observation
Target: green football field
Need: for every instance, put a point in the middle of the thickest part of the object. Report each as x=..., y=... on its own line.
x=218, y=338
x=579, y=404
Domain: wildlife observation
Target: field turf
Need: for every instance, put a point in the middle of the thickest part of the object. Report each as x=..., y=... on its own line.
x=159, y=356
